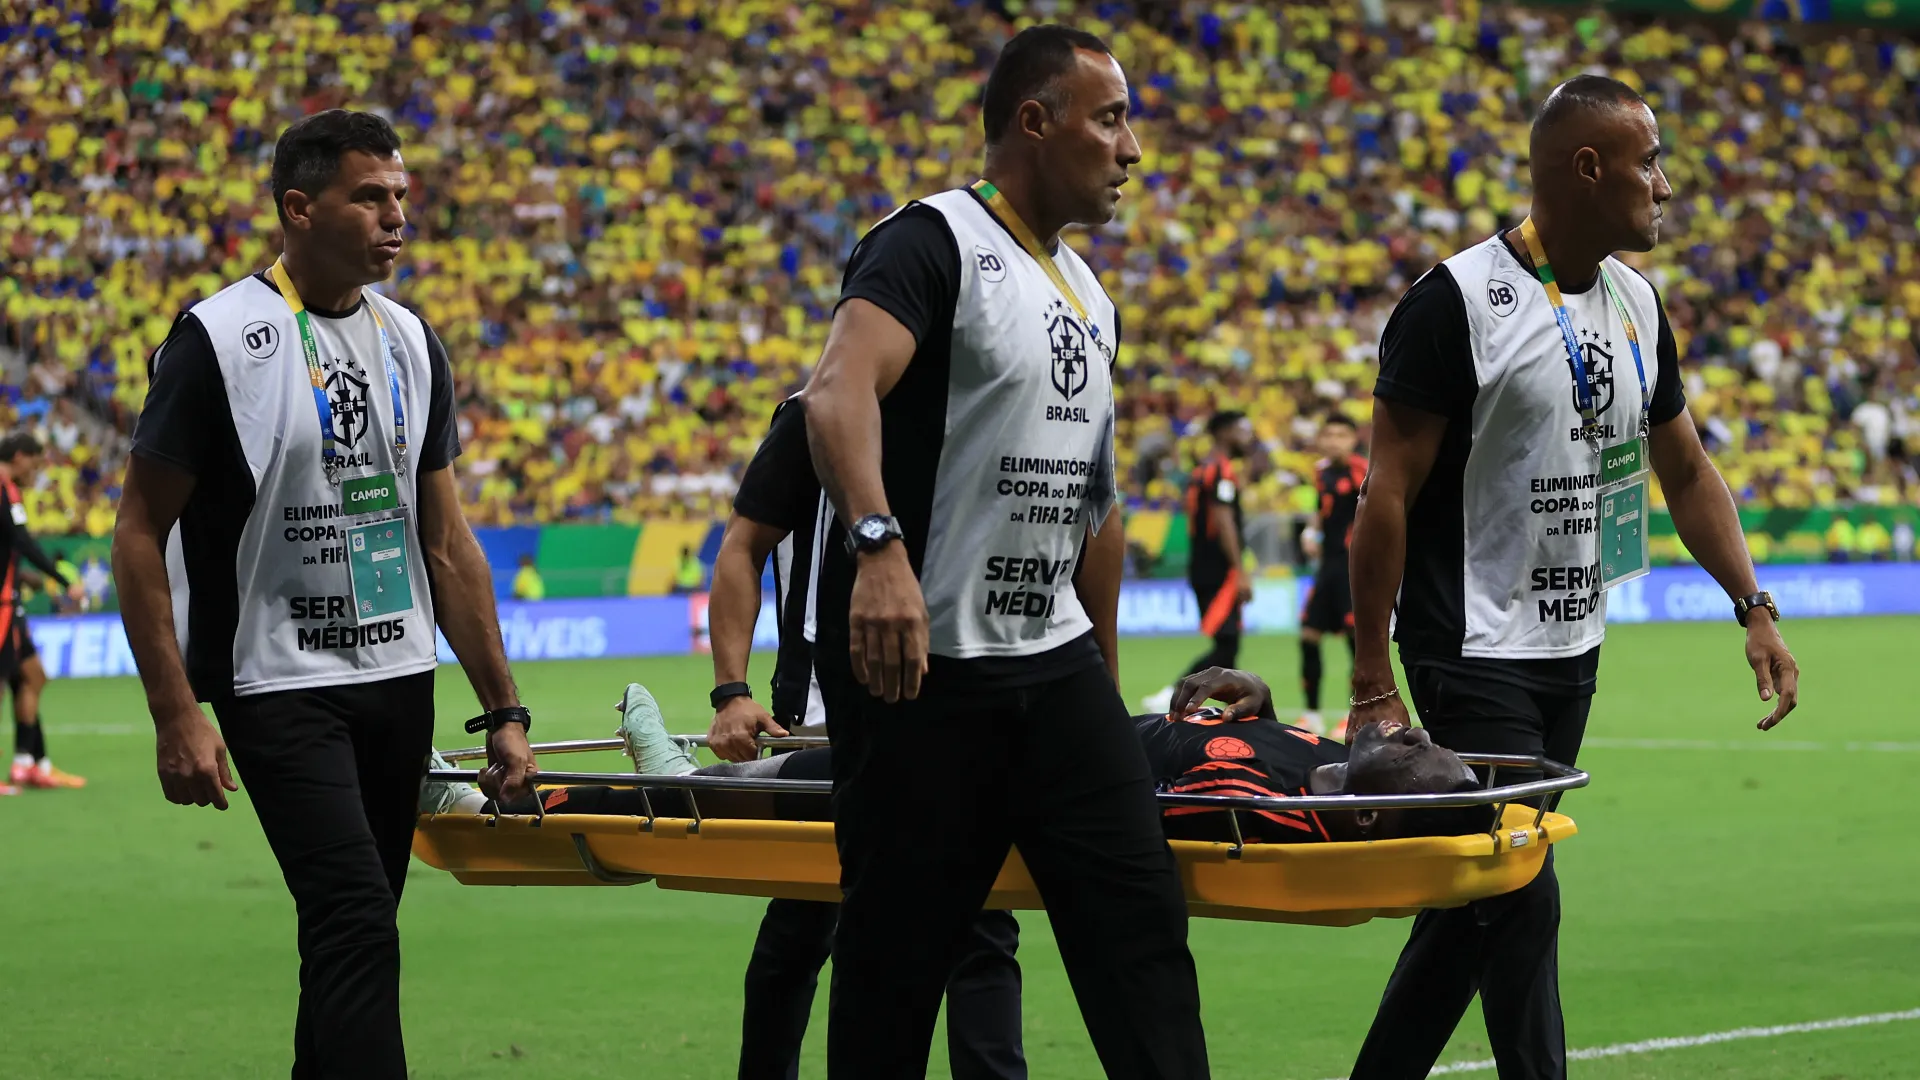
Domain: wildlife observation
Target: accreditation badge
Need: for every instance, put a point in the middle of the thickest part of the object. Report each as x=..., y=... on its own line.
x=1622, y=503
x=377, y=555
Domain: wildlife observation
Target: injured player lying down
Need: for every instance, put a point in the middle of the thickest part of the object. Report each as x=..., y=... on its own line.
x=1241, y=750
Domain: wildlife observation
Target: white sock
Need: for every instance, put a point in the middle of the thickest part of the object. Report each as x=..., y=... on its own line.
x=23, y=760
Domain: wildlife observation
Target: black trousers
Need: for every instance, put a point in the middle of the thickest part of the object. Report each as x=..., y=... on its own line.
x=334, y=775
x=1054, y=768
x=1506, y=948
x=796, y=936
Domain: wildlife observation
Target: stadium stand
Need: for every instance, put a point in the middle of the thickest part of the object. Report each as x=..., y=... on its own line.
x=629, y=221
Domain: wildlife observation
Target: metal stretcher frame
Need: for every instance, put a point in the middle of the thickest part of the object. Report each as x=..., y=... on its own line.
x=1327, y=884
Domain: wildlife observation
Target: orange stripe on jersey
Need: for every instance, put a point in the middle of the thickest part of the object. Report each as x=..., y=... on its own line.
x=1315, y=818
x=1210, y=477
x=1220, y=608
x=1210, y=765
x=1310, y=737
x=9, y=498
x=1227, y=784
x=1279, y=819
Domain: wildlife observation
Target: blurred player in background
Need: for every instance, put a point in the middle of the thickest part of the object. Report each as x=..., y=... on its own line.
x=20, y=456
x=1220, y=584
x=1329, y=608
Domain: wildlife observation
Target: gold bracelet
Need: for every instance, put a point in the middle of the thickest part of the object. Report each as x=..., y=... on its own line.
x=1355, y=703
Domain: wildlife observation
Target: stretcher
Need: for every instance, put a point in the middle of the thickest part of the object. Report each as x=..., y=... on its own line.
x=1323, y=884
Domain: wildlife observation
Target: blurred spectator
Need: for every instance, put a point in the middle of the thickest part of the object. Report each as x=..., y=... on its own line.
x=691, y=574
x=527, y=584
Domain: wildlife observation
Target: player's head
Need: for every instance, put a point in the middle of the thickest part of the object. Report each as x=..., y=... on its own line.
x=20, y=457
x=1058, y=100
x=338, y=185
x=1231, y=431
x=1401, y=760
x=1338, y=437
x=1595, y=152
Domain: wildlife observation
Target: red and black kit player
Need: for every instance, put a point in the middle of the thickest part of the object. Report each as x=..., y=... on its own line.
x=1329, y=607
x=20, y=667
x=1213, y=523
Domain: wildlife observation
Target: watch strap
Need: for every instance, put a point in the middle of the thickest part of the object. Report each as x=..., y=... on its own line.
x=491, y=722
x=890, y=531
x=1745, y=606
x=728, y=691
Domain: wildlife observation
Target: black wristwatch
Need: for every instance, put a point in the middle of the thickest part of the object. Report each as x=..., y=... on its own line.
x=727, y=691
x=498, y=718
x=1746, y=604
x=871, y=533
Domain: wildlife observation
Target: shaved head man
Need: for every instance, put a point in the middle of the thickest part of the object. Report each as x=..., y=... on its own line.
x=1597, y=184
x=1518, y=424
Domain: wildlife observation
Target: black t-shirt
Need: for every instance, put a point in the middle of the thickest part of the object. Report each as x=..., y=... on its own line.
x=187, y=422
x=779, y=489
x=909, y=267
x=1338, y=483
x=1213, y=484
x=1426, y=363
x=1259, y=757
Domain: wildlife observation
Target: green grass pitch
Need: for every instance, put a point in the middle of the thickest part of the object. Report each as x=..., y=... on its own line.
x=1744, y=880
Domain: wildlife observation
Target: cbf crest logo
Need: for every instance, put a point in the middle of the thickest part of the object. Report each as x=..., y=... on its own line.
x=1067, y=341
x=347, y=395
x=1595, y=351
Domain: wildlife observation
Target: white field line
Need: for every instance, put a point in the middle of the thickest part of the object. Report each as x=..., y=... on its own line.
x=1604, y=743
x=1647, y=1046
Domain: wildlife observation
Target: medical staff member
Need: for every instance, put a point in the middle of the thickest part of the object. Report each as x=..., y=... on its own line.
x=776, y=513
x=961, y=421
x=1526, y=386
x=289, y=537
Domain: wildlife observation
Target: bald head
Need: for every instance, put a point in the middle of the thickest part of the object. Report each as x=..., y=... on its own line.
x=1575, y=114
x=1594, y=153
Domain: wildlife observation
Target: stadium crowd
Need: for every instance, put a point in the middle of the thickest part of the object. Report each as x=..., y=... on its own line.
x=628, y=220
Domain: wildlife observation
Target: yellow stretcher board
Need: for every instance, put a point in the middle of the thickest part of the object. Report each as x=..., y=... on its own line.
x=1327, y=884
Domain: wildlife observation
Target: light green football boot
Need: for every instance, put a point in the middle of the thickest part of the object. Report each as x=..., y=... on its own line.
x=654, y=752
x=440, y=797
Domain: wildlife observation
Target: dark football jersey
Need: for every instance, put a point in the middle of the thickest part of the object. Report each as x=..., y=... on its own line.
x=1339, y=486
x=1214, y=483
x=1259, y=757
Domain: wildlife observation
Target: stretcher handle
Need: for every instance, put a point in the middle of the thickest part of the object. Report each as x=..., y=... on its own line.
x=1559, y=778
x=578, y=746
x=685, y=782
